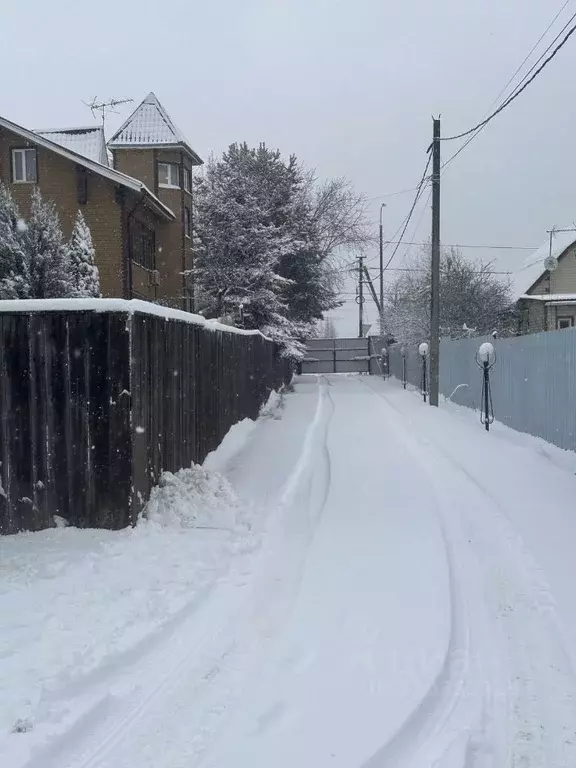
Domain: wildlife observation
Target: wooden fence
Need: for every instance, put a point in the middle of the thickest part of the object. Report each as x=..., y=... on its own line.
x=94, y=405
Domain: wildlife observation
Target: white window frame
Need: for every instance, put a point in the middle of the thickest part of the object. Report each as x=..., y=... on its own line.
x=187, y=222
x=22, y=152
x=564, y=318
x=173, y=168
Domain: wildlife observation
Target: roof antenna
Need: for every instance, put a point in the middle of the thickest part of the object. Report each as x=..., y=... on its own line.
x=104, y=107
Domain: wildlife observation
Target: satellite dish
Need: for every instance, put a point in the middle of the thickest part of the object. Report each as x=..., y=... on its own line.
x=550, y=262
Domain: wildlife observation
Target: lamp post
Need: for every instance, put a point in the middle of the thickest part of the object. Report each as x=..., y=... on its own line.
x=382, y=206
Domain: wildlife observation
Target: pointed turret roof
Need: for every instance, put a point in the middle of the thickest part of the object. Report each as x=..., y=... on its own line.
x=150, y=126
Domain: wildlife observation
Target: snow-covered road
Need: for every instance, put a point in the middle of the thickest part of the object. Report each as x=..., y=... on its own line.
x=393, y=587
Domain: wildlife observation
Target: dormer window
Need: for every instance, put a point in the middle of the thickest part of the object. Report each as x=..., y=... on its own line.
x=169, y=175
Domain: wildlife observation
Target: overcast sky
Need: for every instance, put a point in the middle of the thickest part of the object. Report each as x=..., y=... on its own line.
x=347, y=85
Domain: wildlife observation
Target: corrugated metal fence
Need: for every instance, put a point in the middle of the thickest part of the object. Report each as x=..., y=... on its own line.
x=95, y=405
x=533, y=381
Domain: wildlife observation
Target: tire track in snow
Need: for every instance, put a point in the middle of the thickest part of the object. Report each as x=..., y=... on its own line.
x=521, y=711
x=215, y=651
x=453, y=680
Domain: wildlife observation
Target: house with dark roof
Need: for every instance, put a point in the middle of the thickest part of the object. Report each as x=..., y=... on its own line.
x=135, y=194
x=544, y=287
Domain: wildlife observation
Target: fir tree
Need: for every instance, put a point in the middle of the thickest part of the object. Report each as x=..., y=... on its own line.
x=50, y=269
x=14, y=269
x=81, y=256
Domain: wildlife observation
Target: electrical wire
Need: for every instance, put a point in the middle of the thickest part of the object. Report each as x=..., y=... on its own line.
x=526, y=58
x=464, y=245
x=420, y=189
x=393, y=194
x=515, y=94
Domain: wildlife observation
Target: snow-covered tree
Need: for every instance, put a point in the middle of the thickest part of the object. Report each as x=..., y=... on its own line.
x=268, y=235
x=50, y=269
x=243, y=236
x=81, y=256
x=14, y=271
x=473, y=301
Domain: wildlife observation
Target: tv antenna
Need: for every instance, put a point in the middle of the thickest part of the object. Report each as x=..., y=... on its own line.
x=104, y=107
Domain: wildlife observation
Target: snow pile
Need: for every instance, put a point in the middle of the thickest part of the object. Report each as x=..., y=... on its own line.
x=193, y=498
x=273, y=407
x=240, y=433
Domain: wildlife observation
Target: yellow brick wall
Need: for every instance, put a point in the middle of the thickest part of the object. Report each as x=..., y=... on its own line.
x=57, y=182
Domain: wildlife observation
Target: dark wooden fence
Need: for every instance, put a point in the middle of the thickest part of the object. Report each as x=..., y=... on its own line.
x=95, y=405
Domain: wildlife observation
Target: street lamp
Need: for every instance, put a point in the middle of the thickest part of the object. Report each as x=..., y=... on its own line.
x=382, y=206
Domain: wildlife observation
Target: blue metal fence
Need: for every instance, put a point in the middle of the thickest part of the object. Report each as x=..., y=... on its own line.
x=533, y=381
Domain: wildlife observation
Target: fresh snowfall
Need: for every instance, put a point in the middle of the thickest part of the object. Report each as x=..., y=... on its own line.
x=355, y=580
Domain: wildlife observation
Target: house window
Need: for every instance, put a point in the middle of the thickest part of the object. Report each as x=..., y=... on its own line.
x=187, y=180
x=168, y=175
x=564, y=322
x=143, y=245
x=187, y=222
x=24, y=166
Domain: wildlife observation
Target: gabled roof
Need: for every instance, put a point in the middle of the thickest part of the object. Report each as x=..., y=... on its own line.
x=150, y=126
x=88, y=141
x=103, y=170
x=533, y=269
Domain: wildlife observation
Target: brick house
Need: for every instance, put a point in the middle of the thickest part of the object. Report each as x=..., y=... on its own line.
x=136, y=196
x=544, y=288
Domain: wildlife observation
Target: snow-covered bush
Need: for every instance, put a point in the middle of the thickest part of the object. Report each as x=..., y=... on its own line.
x=82, y=259
x=50, y=270
x=14, y=265
x=35, y=262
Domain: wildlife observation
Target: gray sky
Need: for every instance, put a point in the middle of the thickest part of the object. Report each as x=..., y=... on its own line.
x=348, y=85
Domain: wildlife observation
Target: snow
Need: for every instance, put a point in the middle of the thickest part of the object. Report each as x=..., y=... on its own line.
x=549, y=297
x=486, y=352
x=129, y=306
x=361, y=580
x=88, y=141
x=533, y=267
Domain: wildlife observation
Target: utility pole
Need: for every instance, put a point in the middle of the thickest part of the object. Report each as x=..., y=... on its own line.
x=381, y=272
x=360, y=297
x=435, y=281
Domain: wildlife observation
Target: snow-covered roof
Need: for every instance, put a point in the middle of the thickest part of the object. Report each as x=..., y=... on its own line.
x=533, y=267
x=116, y=176
x=150, y=126
x=86, y=141
x=130, y=306
x=557, y=298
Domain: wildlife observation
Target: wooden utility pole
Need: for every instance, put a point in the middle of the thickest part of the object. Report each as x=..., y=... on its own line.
x=381, y=317
x=360, y=297
x=435, y=281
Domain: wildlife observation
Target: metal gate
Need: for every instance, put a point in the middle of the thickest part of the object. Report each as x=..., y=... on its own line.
x=337, y=356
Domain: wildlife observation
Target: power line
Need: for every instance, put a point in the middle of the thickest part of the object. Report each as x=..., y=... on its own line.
x=464, y=245
x=393, y=194
x=515, y=94
x=542, y=36
x=420, y=188
x=422, y=269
